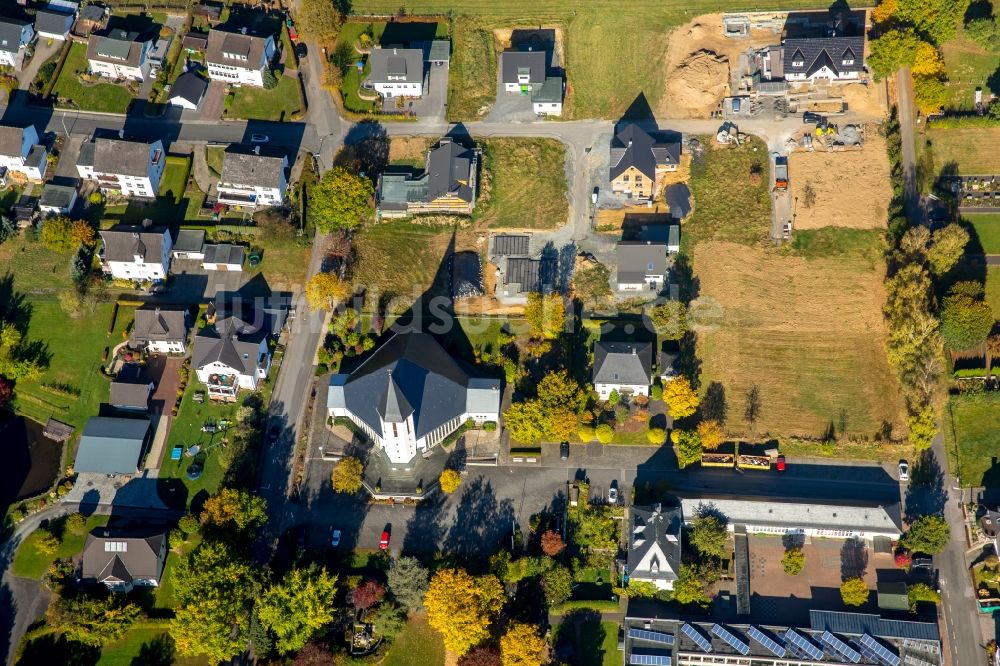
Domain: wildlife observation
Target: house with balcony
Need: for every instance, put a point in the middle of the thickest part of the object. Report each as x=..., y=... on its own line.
x=22, y=154
x=119, y=166
x=447, y=185
x=239, y=58
x=123, y=559
x=253, y=177
x=15, y=37
x=159, y=329
x=639, y=159
x=120, y=54
x=135, y=253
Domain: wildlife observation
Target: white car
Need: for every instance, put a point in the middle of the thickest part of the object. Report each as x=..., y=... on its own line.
x=904, y=470
x=613, y=493
x=335, y=538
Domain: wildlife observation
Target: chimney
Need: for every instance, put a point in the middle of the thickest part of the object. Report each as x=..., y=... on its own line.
x=243, y=30
x=633, y=350
x=394, y=51
x=121, y=133
x=256, y=150
x=630, y=143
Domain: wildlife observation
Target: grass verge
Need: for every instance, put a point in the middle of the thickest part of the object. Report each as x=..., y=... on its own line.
x=970, y=426
x=416, y=645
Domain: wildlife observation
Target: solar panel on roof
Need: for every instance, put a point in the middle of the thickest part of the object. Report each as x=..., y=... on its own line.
x=769, y=643
x=881, y=652
x=804, y=644
x=651, y=636
x=734, y=642
x=695, y=634
x=840, y=646
x=649, y=659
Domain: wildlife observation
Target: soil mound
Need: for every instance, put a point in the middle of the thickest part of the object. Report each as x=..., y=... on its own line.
x=698, y=84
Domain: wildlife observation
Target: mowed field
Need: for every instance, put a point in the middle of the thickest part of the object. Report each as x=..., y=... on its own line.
x=976, y=150
x=808, y=332
x=613, y=52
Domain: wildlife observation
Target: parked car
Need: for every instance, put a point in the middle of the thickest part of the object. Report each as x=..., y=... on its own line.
x=384, y=541
x=301, y=51
x=259, y=138
x=781, y=463
x=813, y=118
x=564, y=450
x=335, y=538
x=904, y=470
x=613, y=493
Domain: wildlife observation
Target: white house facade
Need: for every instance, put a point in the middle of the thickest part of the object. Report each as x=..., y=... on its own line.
x=133, y=253
x=21, y=153
x=622, y=367
x=15, y=36
x=119, y=54
x=397, y=72
x=253, y=177
x=129, y=168
x=238, y=58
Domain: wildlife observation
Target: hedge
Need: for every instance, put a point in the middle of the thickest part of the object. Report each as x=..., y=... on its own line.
x=525, y=450
x=597, y=605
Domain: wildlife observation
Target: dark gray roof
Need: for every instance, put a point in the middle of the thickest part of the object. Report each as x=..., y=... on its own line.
x=122, y=243
x=530, y=274
x=190, y=240
x=654, y=542
x=153, y=322
x=123, y=555
x=129, y=394
x=10, y=34
x=189, y=86
x=194, y=40
x=440, y=51
x=223, y=253
x=224, y=343
x=117, y=46
x=510, y=244
x=632, y=146
x=816, y=52
x=92, y=13
x=873, y=625
x=111, y=445
x=406, y=63
x=119, y=156
x=36, y=156
x=411, y=374
x=252, y=166
x=450, y=170
x=513, y=62
x=637, y=259
x=11, y=140
x=550, y=91
x=221, y=42
x=623, y=362
x=250, y=315
x=56, y=23
x=57, y=196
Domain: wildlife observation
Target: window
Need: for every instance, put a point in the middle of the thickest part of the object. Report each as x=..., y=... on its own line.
x=798, y=63
x=395, y=433
x=649, y=267
x=848, y=61
x=625, y=178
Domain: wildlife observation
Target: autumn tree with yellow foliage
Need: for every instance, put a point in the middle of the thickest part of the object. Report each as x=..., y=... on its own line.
x=682, y=400
x=325, y=290
x=711, y=435
x=462, y=607
x=522, y=646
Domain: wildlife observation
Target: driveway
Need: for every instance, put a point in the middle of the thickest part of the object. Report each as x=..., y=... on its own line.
x=510, y=107
x=44, y=49
x=212, y=102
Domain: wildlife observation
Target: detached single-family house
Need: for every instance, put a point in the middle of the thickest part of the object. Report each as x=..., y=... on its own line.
x=397, y=72
x=639, y=160
x=823, y=59
x=641, y=265
x=112, y=445
x=447, y=184
x=253, y=177
x=159, y=329
x=131, y=168
x=21, y=152
x=410, y=394
x=53, y=24
x=526, y=72
x=238, y=58
x=129, y=391
x=223, y=257
x=15, y=36
x=190, y=244
x=135, y=253
x=654, y=545
x=623, y=367
x=125, y=559
x=57, y=199
x=230, y=355
x=119, y=54
x=187, y=91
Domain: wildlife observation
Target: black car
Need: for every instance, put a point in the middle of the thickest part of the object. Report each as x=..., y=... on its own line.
x=301, y=51
x=814, y=118
x=564, y=450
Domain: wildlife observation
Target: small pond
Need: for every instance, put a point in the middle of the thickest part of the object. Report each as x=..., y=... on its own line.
x=30, y=462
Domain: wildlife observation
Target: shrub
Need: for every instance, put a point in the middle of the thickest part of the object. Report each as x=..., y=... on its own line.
x=605, y=433
x=189, y=524
x=641, y=589
x=903, y=560
x=46, y=542
x=76, y=523
x=586, y=433
x=450, y=480
x=854, y=592
x=793, y=561
x=656, y=435
x=490, y=426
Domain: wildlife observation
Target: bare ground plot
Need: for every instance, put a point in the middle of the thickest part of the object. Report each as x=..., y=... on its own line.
x=808, y=333
x=409, y=149
x=841, y=189
x=503, y=38
x=975, y=150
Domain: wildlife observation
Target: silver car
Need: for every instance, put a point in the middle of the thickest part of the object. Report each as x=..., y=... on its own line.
x=613, y=493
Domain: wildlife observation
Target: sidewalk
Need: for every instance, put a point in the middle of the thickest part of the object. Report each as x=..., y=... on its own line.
x=159, y=439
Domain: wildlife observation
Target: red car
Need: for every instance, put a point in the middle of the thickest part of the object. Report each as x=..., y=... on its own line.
x=384, y=541
x=781, y=463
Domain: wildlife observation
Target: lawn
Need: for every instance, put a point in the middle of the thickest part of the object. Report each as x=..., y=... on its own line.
x=105, y=97
x=971, y=424
x=147, y=642
x=867, y=244
x=416, y=645
x=473, y=71
x=967, y=67
x=175, y=177
x=993, y=288
x=36, y=270
x=214, y=156
x=975, y=150
x=30, y=563
x=595, y=642
x=523, y=184
x=986, y=230
x=281, y=103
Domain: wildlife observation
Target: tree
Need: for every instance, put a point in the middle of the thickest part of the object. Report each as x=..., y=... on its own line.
x=689, y=588
x=298, y=607
x=236, y=509
x=6, y=391
x=965, y=323
x=407, y=580
x=854, y=592
x=927, y=534
x=751, y=412
x=983, y=31
x=318, y=20
x=61, y=235
x=546, y=315
x=669, y=319
x=793, y=561
x=884, y=11
x=325, y=291
x=656, y=435
x=388, y=620
x=711, y=435
x=76, y=523
x=367, y=594
x=891, y=50
x=557, y=583
x=462, y=607
x=947, y=248
x=927, y=61
x=17, y=360
x=614, y=398
x=483, y=655
x=526, y=421
x=313, y=654
x=552, y=544
x=992, y=351
x=921, y=592
x=46, y=542
x=709, y=536
x=94, y=620
x=922, y=428
x=605, y=433
x=641, y=589
x=189, y=524
x=930, y=93
x=347, y=476
x=450, y=480
x=689, y=448
x=521, y=646
x=341, y=200
x=268, y=79
x=682, y=400
x=558, y=389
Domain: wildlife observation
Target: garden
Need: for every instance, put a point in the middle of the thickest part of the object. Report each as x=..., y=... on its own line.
x=281, y=103
x=80, y=90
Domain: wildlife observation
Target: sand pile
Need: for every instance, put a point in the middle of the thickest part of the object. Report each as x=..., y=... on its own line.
x=862, y=99
x=698, y=84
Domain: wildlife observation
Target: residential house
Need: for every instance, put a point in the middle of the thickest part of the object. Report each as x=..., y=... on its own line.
x=57, y=199
x=119, y=54
x=112, y=445
x=158, y=54
x=129, y=391
x=195, y=42
x=654, y=545
x=238, y=57
x=223, y=257
x=159, y=329
x=124, y=559
x=446, y=185
x=190, y=244
x=22, y=154
x=526, y=72
x=838, y=59
x=230, y=356
x=53, y=24
x=397, y=72
x=135, y=253
x=253, y=177
x=15, y=37
x=269, y=314
x=623, y=367
x=547, y=99
x=130, y=168
x=92, y=18
x=639, y=160
x=409, y=395
x=641, y=265
x=187, y=91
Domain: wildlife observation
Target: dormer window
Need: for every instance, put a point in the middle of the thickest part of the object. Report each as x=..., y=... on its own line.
x=847, y=61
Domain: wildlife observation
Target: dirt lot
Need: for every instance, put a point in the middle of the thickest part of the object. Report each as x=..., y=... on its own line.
x=808, y=333
x=503, y=35
x=408, y=149
x=851, y=187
